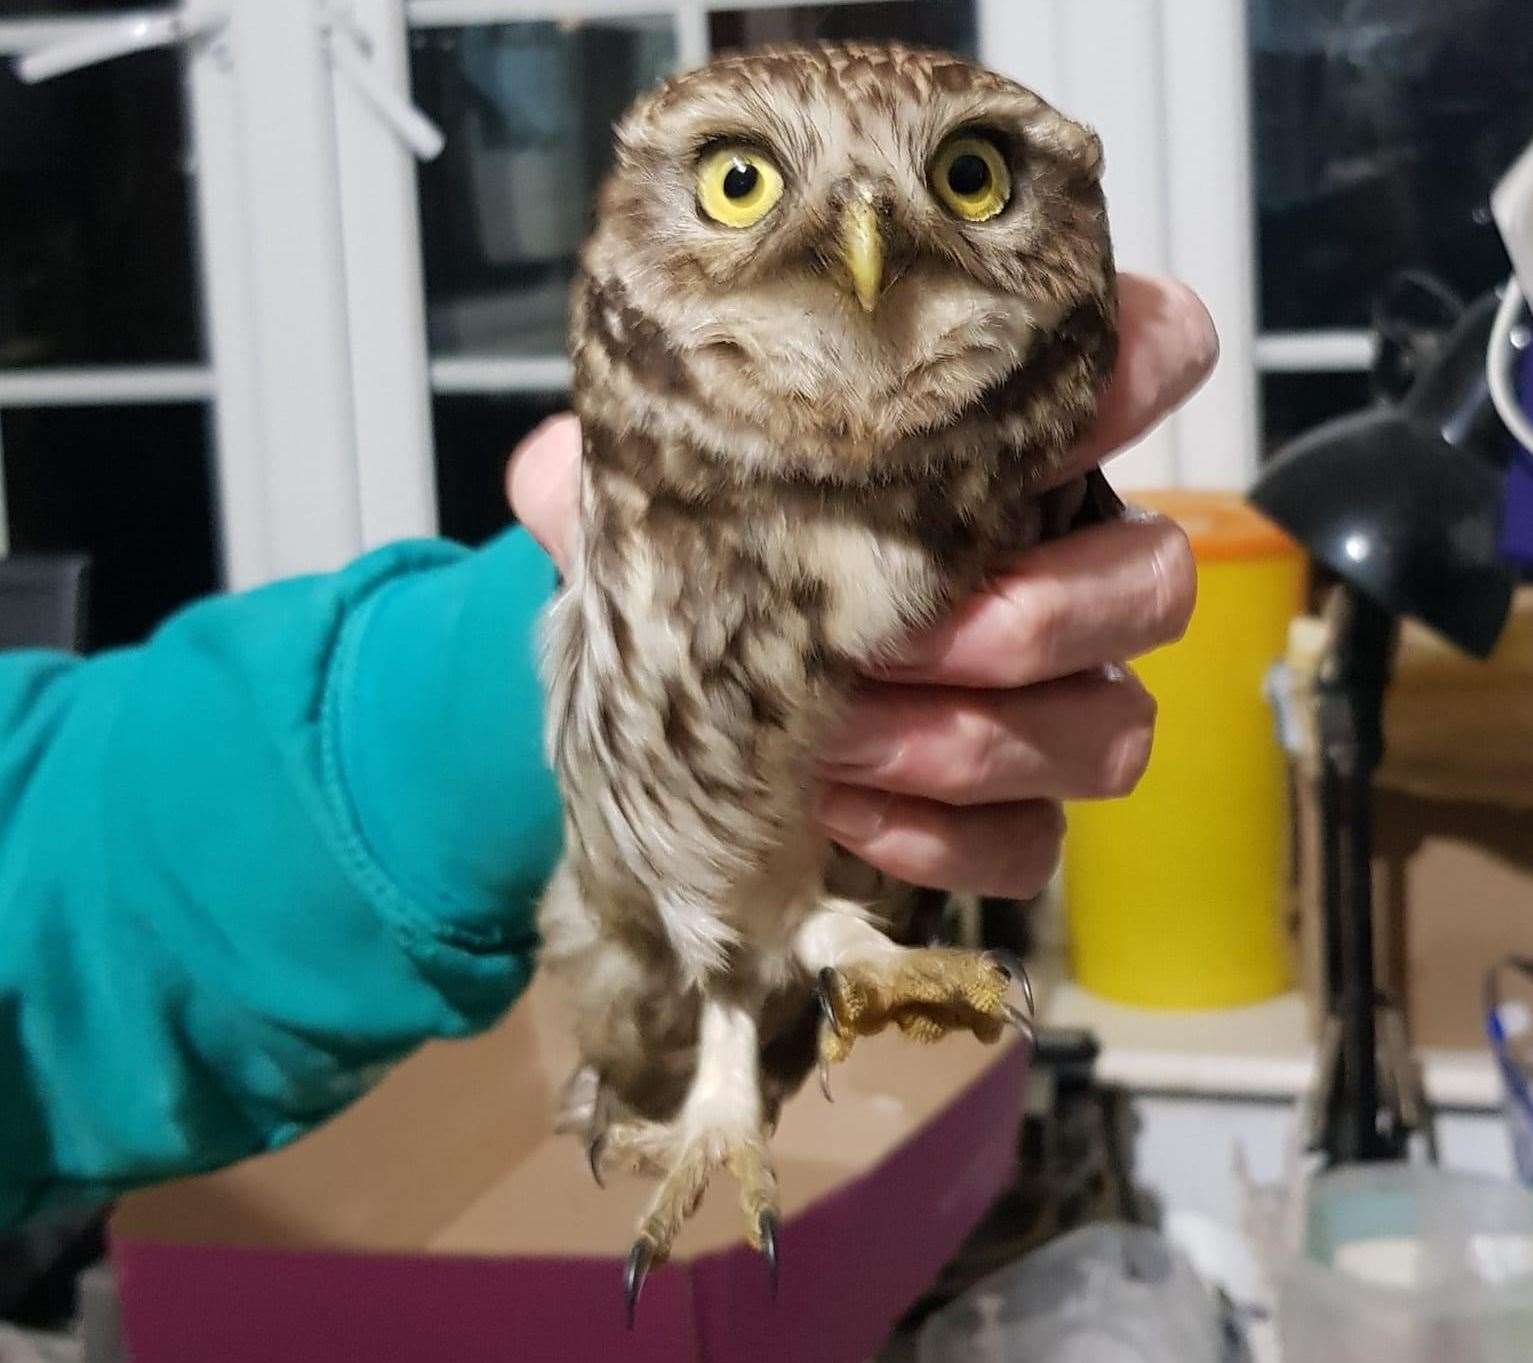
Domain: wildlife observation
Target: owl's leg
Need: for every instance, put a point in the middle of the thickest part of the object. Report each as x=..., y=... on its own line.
x=719, y=1127
x=865, y=982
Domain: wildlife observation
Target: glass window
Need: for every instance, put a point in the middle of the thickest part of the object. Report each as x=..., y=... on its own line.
x=474, y=435
x=96, y=257
x=1295, y=403
x=945, y=24
x=129, y=486
x=1380, y=127
x=528, y=110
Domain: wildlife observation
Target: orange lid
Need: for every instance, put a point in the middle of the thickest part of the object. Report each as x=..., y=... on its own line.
x=1221, y=525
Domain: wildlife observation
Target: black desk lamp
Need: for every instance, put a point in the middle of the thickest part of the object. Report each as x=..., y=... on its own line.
x=1403, y=504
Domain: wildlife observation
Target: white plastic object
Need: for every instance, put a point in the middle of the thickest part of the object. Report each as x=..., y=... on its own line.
x=1102, y=1294
x=1499, y=357
x=1407, y=1263
x=1511, y=204
x=104, y=42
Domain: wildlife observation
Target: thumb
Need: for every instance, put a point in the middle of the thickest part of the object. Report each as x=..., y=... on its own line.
x=543, y=485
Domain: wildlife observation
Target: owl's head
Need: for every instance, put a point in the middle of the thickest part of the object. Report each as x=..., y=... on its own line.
x=843, y=259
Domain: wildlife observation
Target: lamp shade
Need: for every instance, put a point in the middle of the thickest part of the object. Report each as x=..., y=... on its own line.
x=1388, y=506
x=1405, y=503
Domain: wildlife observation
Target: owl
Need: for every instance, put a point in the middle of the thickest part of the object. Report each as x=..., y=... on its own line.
x=843, y=311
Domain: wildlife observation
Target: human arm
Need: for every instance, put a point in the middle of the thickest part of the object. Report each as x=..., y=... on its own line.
x=254, y=860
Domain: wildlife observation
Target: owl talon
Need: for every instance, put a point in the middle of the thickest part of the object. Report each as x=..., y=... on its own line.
x=1010, y=965
x=1018, y=1019
x=596, y=1132
x=640, y=1257
x=766, y=1231
x=824, y=1071
x=827, y=989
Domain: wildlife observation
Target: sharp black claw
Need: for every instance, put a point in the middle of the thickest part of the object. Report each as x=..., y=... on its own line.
x=1018, y=1019
x=639, y=1259
x=1008, y=963
x=596, y=1133
x=766, y=1229
x=825, y=1082
x=825, y=990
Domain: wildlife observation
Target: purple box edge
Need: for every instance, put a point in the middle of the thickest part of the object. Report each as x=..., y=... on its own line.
x=250, y=1305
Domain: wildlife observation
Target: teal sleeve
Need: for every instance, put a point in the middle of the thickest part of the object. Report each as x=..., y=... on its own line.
x=248, y=864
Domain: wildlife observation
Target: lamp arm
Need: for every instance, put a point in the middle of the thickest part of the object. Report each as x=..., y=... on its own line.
x=1351, y=686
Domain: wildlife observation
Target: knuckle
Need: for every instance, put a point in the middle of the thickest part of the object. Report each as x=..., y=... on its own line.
x=922, y=847
x=979, y=744
x=1042, y=617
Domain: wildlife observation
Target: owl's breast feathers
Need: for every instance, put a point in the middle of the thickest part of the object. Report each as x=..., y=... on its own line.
x=719, y=614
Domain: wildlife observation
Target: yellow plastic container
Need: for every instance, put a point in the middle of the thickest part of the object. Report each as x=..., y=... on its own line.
x=1175, y=895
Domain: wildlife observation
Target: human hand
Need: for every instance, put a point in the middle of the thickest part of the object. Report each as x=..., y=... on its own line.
x=950, y=769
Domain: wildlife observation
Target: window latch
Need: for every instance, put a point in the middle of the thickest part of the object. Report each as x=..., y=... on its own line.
x=104, y=41
x=352, y=55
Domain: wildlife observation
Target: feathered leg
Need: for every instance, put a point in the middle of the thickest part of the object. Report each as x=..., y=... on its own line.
x=719, y=1126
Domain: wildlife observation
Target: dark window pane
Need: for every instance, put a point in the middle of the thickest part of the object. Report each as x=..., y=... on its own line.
x=473, y=437
x=1380, y=128
x=96, y=257
x=945, y=24
x=528, y=111
x=129, y=486
x=1295, y=403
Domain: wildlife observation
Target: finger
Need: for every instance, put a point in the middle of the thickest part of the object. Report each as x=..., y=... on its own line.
x=1167, y=347
x=1076, y=604
x=1083, y=738
x=1008, y=850
x=543, y=485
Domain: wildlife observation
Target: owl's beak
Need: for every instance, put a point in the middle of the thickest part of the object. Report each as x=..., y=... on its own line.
x=862, y=249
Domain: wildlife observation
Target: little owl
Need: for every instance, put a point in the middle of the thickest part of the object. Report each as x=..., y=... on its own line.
x=844, y=310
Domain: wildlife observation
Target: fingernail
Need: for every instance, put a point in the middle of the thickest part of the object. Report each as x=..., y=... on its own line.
x=853, y=813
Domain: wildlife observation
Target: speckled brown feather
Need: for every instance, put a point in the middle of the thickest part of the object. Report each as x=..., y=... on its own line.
x=776, y=489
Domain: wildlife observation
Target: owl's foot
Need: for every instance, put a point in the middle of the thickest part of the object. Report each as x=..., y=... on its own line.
x=743, y=1154
x=926, y=992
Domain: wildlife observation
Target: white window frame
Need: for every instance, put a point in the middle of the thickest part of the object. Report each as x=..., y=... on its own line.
x=310, y=262
x=1167, y=84
x=310, y=362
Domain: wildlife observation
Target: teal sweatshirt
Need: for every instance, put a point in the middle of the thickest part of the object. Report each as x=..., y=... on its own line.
x=249, y=863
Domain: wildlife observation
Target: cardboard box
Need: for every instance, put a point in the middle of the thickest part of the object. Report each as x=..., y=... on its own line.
x=1453, y=824
x=442, y=1219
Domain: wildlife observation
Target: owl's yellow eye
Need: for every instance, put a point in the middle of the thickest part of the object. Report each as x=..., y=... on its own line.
x=738, y=186
x=970, y=175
